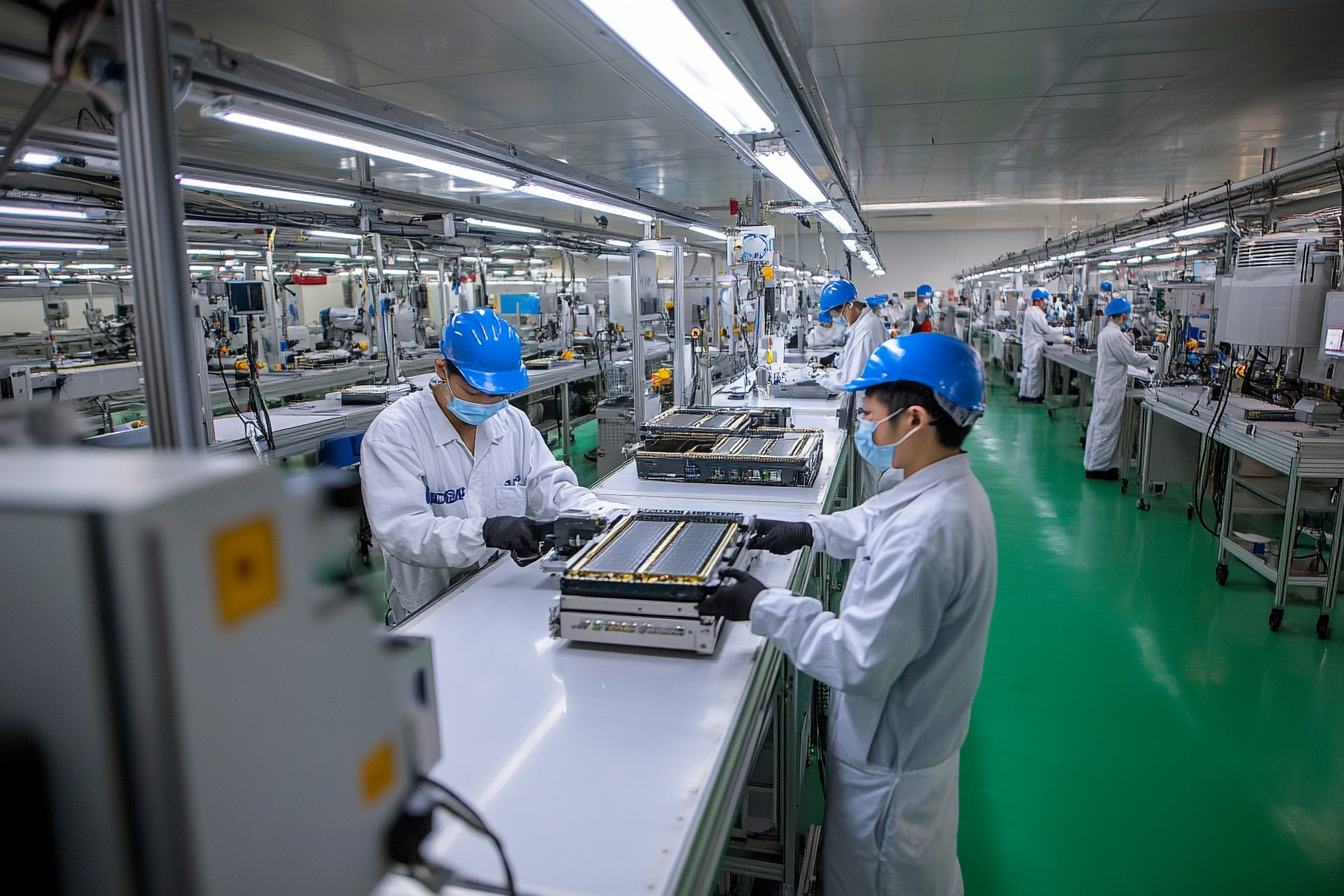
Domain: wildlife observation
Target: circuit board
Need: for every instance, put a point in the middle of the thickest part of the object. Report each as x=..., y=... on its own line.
x=714, y=421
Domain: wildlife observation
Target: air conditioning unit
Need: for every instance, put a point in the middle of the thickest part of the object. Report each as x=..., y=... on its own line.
x=1277, y=293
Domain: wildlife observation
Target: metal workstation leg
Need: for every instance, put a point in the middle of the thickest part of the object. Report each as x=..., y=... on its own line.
x=1287, y=545
x=1225, y=524
x=1333, y=573
x=565, y=434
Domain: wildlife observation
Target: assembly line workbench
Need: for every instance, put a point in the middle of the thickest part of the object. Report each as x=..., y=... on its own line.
x=1309, y=463
x=301, y=428
x=1076, y=365
x=612, y=770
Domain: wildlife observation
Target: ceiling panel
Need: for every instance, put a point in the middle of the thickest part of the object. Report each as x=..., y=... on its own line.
x=932, y=99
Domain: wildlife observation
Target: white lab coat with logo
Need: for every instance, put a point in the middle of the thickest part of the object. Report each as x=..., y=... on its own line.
x=1036, y=332
x=428, y=497
x=904, y=659
x=1115, y=353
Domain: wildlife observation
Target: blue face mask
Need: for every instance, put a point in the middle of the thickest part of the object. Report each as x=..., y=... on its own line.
x=880, y=456
x=469, y=412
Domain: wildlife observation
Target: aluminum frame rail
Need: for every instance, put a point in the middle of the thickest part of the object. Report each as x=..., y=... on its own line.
x=1318, y=170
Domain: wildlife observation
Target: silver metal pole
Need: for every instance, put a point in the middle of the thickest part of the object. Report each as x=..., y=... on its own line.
x=679, y=365
x=443, y=295
x=167, y=328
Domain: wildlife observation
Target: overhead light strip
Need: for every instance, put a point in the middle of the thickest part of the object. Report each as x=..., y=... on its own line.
x=215, y=186
x=583, y=202
x=787, y=171
x=60, y=245
x=660, y=34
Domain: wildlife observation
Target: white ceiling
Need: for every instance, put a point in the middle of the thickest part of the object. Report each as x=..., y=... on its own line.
x=932, y=99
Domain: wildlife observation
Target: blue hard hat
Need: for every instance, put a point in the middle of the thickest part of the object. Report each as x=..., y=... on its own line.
x=874, y=301
x=926, y=290
x=1118, y=305
x=837, y=293
x=824, y=317
x=486, y=350
x=948, y=366
x=1106, y=286
x=1039, y=293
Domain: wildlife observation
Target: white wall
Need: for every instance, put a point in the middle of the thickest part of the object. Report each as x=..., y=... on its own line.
x=935, y=256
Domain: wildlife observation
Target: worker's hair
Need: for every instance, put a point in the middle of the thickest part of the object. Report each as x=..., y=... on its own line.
x=1116, y=317
x=904, y=393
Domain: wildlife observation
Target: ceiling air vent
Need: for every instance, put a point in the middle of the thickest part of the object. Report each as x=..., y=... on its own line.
x=1267, y=253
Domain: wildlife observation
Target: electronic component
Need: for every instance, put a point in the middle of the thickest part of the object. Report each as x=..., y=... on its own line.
x=1271, y=415
x=714, y=421
x=640, y=583
x=762, y=456
x=374, y=394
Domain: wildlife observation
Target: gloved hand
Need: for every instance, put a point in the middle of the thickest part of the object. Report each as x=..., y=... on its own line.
x=780, y=537
x=518, y=535
x=733, y=598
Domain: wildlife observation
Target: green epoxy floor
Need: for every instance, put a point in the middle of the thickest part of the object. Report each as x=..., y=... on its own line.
x=1139, y=730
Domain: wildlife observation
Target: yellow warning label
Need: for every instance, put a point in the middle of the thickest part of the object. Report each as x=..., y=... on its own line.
x=246, y=575
x=378, y=771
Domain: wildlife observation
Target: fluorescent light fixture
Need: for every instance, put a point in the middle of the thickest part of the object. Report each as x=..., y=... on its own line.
x=215, y=186
x=227, y=253
x=851, y=245
x=1120, y=250
x=70, y=245
x=583, y=202
x=785, y=168
x=838, y=221
x=1157, y=241
x=500, y=225
x=1166, y=256
x=623, y=244
x=917, y=205
x=1136, y=259
x=372, y=149
x=659, y=32
x=709, y=232
x=1107, y=264
x=333, y=256
x=703, y=255
x=607, y=256
x=30, y=278
x=472, y=259
x=880, y=272
x=197, y=267
x=1200, y=228
x=37, y=211
x=543, y=262
x=38, y=159
x=335, y=235
x=93, y=267
x=225, y=225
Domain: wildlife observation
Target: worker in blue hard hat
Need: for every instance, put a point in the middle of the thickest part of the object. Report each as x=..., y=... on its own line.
x=921, y=316
x=1115, y=355
x=454, y=473
x=1036, y=332
x=826, y=334
x=865, y=332
x=904, y=655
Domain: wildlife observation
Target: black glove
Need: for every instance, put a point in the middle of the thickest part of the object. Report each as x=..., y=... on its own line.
x=518, y=535
x=733, y=598
x=779, y=537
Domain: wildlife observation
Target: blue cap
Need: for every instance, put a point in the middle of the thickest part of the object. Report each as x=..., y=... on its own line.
x=1118, y=305
x=948, y=366
x=1106, y=286
x=824, y=317
x=1039, y=293
x=486, y=350
x=926, y=290
x=837, y=293
x=875, y=301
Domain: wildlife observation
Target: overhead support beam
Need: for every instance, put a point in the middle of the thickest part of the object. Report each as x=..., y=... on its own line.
x=1324, y=169
x=167, y=330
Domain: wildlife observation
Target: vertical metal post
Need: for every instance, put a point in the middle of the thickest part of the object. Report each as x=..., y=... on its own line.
x=638, y=379
x=167, y=328
x=275, y=348
x=443, y=295
x=680, y=355
x=386, y=327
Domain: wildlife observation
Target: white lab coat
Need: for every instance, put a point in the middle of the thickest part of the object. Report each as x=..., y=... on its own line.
x=1036, y=332
x=865, y=335
x=1115, y=353
x=428, y=498
x=904, y=659
x=825, y=337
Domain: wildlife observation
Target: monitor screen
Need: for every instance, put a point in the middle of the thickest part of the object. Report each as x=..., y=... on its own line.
x=1334, y=342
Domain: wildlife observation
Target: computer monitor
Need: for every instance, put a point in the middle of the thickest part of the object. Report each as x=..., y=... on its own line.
x=1334, y=342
